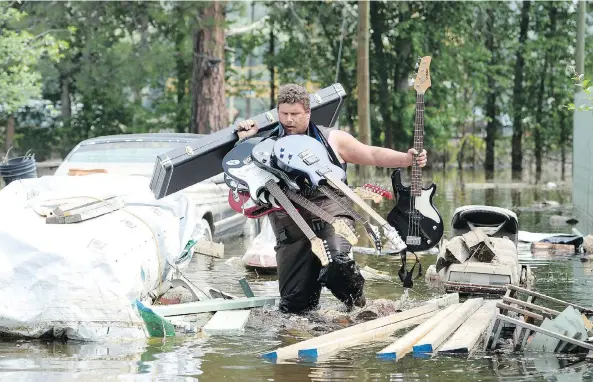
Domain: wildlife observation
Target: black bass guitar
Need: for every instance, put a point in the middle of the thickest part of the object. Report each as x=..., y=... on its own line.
x=415, y=214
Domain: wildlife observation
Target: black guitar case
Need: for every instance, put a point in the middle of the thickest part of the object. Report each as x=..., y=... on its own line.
x=184, y=167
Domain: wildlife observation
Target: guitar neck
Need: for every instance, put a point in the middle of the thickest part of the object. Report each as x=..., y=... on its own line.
x=337, y=183
x=283, y=200
x=416, y=181
x=310, y=206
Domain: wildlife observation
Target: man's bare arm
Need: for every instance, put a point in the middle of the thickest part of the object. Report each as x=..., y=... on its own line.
x=353, y=151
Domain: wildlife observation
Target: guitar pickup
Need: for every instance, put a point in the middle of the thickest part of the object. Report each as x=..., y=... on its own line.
x=413, y=240
x=323, y=170
x=305, y=153
x=310, y=160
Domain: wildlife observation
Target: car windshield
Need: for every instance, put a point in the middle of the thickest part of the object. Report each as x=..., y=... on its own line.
x=123, y=152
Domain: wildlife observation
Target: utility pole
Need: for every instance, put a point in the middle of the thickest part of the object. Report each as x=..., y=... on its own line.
x=362, y=77
x=249, y=71
x=580, y=54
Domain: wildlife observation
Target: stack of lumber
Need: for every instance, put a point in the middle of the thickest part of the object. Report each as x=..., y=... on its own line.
x=442, y=325
x=456, y=329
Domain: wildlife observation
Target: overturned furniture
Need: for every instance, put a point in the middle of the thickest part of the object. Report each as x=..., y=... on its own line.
x=539, y=328
x=482, y=257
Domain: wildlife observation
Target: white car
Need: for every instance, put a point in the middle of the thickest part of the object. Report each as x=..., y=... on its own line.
x=135, y=154
x=84, y=278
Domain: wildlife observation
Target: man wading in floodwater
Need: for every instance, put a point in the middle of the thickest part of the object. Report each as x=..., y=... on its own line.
x=299, y=269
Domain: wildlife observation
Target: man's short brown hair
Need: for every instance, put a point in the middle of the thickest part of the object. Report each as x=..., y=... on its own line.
x=292, y=93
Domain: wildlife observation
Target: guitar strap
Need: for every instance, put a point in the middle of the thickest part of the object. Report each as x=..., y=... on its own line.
x=404, y=275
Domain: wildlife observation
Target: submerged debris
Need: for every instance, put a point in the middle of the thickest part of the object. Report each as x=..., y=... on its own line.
x=326, y=319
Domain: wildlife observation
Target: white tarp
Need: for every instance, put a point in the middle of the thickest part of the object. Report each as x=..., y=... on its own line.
x=81, y=280
x=261, y=252
x=534, y=237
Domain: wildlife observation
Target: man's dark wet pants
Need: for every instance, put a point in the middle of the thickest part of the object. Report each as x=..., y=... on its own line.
x=300, y=274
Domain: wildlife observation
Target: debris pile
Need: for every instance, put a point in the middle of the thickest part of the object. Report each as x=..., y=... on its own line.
x=538, y=328
x=475, y=262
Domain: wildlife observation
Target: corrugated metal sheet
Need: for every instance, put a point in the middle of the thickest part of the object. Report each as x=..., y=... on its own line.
x=582, y=193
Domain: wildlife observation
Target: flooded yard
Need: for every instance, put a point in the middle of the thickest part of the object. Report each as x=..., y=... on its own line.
x=236, y=358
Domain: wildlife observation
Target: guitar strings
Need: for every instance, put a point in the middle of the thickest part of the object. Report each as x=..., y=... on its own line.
x=416, y=169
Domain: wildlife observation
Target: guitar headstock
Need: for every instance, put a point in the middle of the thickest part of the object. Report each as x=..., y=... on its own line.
x=422, y=82
x=373, y=192
x=321, y=250
x=367, y=195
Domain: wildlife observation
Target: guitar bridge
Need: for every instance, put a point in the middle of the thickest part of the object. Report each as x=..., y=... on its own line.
x=413, y=240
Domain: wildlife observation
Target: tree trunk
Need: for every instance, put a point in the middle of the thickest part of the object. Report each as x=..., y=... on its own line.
x=461, y=152
x=208, y=88
x=563, y=142
x=580, y=49
x=538, y=138
x=250, y=63
x=66, y=106
x=9, y=132
x=491, y=96
x=181, y=68
x=181, y=122
x=384, y=99
x=271, y=67
x=518, y=93
x=362, y=73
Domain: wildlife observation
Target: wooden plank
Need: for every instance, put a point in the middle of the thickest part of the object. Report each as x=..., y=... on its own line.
x=446, y=300
x=526, y=304
x=468, y=334
x=213, y=305
x=404, y=344
x=292, y=351
x=505, y=307
x=209, y=248
x=77, y=215
x=548, y=298
x=496, y=329
x=246, y=288
x=227, y=322
x=474, y=288
x=369, y=335
x=537, y=329
x=431, y=341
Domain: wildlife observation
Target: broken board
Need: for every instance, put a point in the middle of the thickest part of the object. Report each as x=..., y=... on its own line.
x=85, y=212
x=568, y=323
x=209, y=248
x=537, y=329
x=474, y=238
x=213, y=305
x=227, y=322
x=456, y=251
